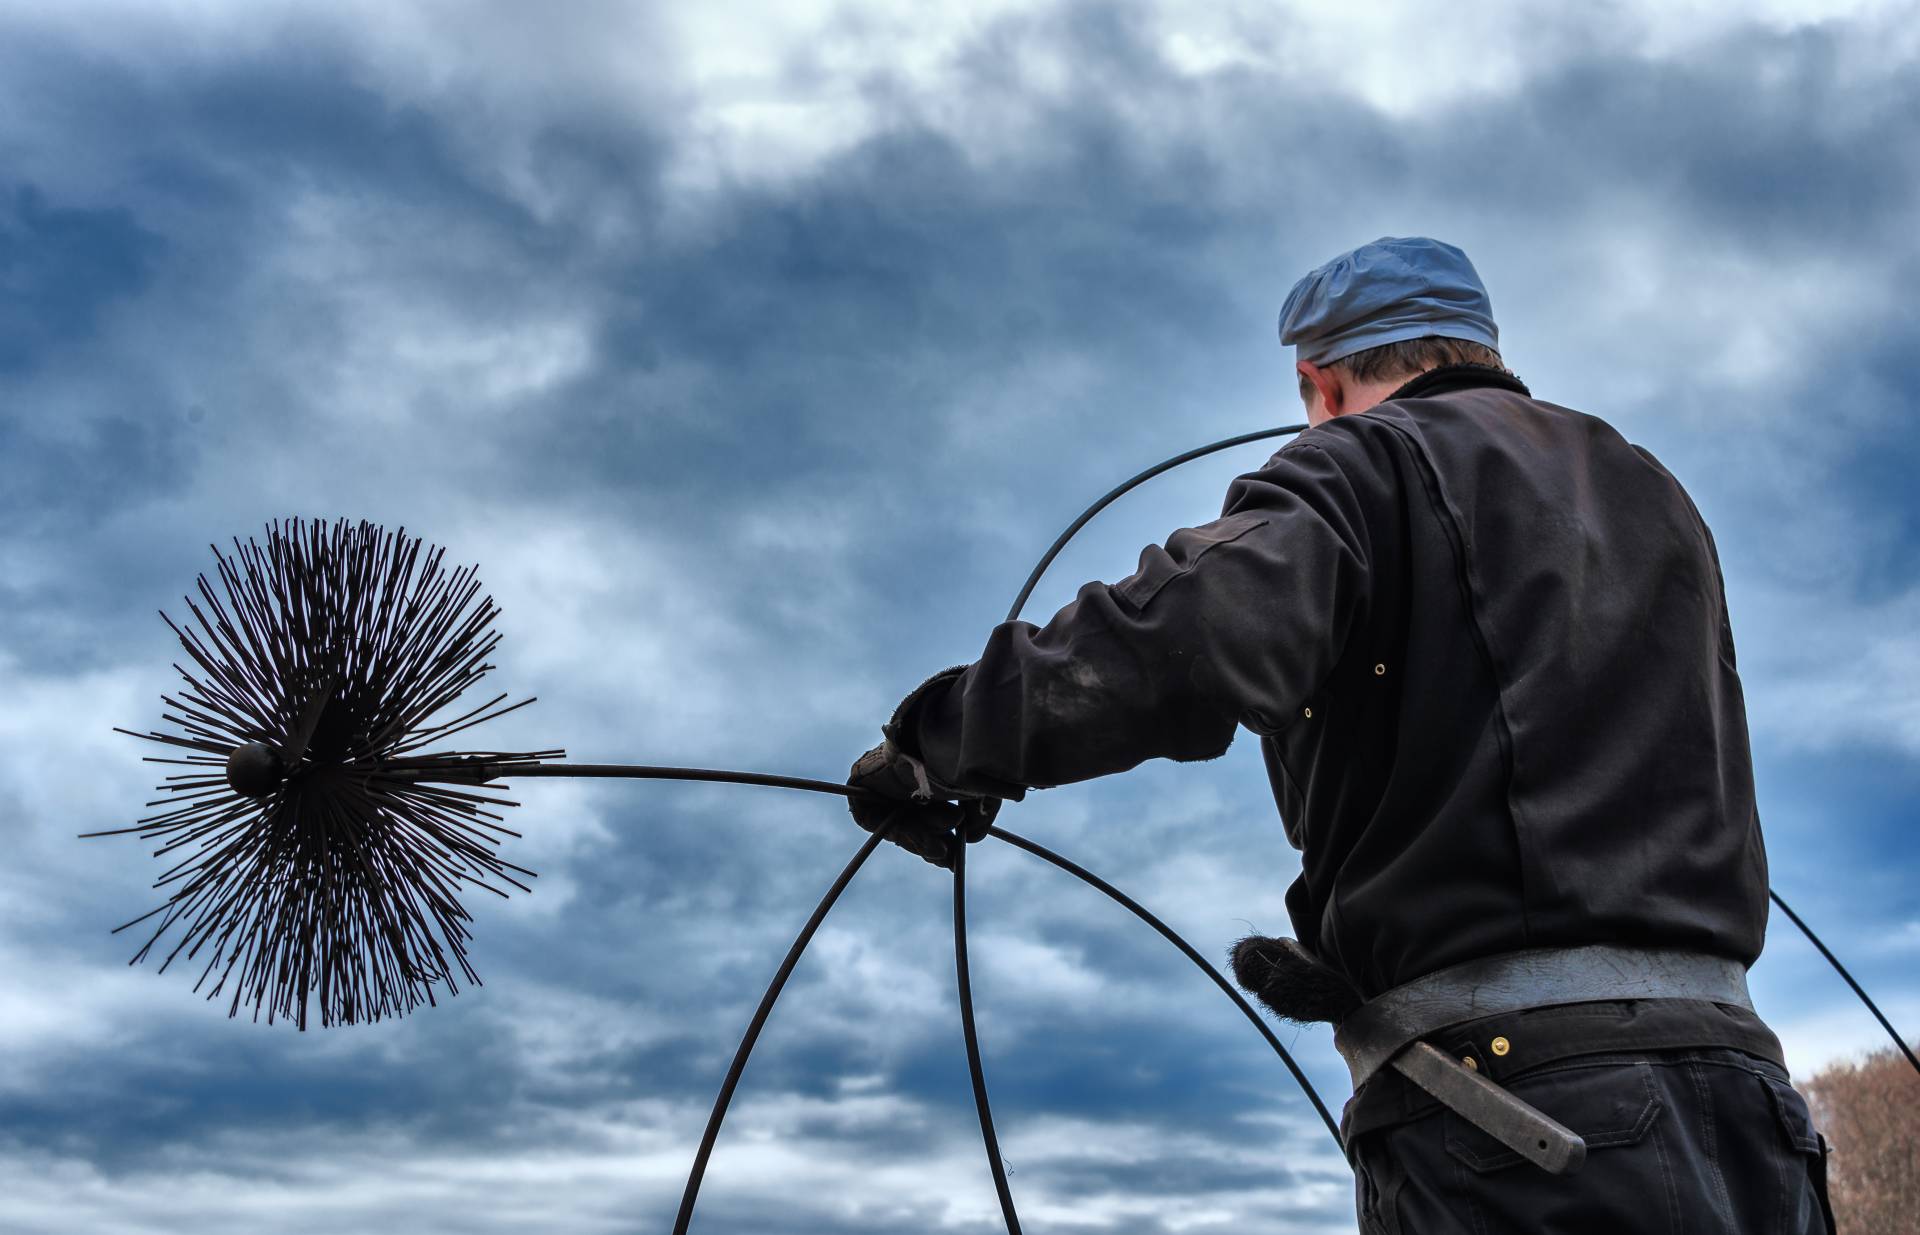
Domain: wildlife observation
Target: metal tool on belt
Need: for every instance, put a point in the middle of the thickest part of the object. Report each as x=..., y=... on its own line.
x=1387, y=1031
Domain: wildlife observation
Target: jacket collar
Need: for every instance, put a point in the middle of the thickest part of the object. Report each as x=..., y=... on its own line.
x=1448, y=378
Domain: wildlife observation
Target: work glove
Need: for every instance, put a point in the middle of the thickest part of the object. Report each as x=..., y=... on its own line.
x=913, y=810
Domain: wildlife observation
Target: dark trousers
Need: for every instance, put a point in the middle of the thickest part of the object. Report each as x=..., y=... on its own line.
x=1692, y=1141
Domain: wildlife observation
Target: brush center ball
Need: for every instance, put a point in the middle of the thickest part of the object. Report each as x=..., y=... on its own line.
x=255, y=770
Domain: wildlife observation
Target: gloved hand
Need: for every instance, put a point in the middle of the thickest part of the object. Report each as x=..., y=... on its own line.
x=915, y=812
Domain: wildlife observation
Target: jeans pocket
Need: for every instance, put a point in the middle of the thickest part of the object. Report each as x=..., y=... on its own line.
x=1607, y=1106
x=1809, y=1148
x=1790, y=1109
x=1378, y=1177
x=1621, y=1111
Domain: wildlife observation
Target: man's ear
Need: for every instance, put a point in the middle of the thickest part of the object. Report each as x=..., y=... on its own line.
x=1327, y=382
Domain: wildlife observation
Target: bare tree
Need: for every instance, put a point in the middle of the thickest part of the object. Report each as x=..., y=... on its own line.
x=1870, y=1111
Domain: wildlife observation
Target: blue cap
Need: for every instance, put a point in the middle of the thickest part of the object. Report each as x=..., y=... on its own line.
x=1398, y=287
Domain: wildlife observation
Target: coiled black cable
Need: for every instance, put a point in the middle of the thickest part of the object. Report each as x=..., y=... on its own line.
x=981, y=1099
x=744, y=1050
x=975, y=1067
x=982, y=1103
x=966, y=1008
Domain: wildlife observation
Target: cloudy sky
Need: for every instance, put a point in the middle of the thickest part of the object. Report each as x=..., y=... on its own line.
x=753, y=352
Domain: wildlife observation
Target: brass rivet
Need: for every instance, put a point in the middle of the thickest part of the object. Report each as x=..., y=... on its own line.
x=1501, y=1046
x=1309, y=712
x=1470, y=1062
x=1380, y=671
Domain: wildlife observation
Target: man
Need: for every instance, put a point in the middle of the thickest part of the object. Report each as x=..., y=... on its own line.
x=1485, y=645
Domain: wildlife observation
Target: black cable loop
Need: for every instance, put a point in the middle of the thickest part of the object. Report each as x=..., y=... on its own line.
x=974, y=1065
x=977, y=1071
x=748, y=1040
x=981, y=1102
x=1313, y=1095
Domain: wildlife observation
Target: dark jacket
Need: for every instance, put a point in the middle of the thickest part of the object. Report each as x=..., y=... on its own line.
x=1485, y=645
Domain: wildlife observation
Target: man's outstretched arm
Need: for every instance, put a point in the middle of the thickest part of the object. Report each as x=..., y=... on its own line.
x=1235, y=621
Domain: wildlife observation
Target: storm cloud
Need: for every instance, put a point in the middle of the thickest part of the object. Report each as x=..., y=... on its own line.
x=754, y=355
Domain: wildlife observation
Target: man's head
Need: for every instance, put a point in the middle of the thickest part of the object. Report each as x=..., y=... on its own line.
x=1370, y=319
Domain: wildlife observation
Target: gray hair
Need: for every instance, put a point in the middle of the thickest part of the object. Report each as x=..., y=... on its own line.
x=1408, y=358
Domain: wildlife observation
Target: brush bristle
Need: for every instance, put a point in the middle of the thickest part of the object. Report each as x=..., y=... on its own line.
x=1291, y=982
x=333, y=884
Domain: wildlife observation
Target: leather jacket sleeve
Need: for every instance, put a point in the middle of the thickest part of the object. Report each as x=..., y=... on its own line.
x=1233, y=622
